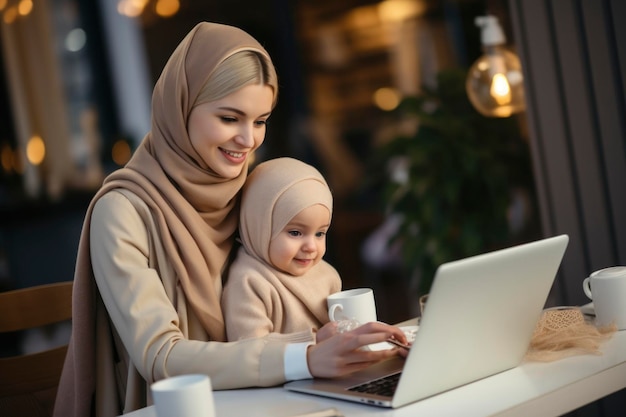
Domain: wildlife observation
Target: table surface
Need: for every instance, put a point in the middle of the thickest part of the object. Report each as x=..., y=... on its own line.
x=533, y=388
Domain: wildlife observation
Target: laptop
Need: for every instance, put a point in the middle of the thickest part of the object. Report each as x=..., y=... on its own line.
x=478, y=321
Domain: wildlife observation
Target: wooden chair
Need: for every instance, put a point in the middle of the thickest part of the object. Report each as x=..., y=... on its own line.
x=28, y=382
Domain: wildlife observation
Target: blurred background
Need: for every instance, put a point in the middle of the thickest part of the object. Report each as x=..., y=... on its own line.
x=374, y=93
x=77, y=80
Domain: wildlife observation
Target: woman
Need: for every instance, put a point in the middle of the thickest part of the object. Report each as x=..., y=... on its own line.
x=157, y=236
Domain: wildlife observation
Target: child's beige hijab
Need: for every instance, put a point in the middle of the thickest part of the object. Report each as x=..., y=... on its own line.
x=193, y=207
x=274, y=193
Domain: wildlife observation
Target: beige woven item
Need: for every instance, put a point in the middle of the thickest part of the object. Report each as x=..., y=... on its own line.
x=562, y=332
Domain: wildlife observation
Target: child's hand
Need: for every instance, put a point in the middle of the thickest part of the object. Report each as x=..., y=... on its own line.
x=327, y=331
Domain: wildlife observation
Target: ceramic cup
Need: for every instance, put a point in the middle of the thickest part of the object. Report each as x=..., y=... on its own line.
x=356, y=304
x=183, y=396
x=607, y=289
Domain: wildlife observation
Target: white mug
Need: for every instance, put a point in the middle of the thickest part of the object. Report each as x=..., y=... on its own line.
x=183, y=396
x=356, y=304
x=607, y=289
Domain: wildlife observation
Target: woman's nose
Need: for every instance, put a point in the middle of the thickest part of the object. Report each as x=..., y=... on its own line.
x=245, y=137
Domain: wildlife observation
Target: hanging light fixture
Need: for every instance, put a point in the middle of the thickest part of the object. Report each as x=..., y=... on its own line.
x=495, y=84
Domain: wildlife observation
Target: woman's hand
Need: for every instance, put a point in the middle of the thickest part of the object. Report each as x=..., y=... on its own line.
x=326, y=331
x=341, y=353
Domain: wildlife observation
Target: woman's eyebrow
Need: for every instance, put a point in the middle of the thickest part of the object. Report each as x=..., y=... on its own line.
x=240, y=112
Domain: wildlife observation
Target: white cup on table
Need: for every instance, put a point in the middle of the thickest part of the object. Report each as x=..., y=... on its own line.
x=183, y=396
x=607, y=289
x=356, y=304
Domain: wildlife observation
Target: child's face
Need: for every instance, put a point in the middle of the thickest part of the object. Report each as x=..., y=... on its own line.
x=302, y=242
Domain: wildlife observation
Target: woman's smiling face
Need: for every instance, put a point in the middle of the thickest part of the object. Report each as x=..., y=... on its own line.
x=224, y=132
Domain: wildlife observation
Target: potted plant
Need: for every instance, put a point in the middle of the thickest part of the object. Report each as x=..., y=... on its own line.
x=454, y=181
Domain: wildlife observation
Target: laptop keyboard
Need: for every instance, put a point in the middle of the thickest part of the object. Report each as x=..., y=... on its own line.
x=385, y=386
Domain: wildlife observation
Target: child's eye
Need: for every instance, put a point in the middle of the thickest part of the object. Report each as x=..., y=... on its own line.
x=320, y=234
x=262, y=122
x=228, y=119
x=294, y=233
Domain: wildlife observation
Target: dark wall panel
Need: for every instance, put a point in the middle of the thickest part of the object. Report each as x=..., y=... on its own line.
x=573, y=54
x=606, y=80
x=582, y=128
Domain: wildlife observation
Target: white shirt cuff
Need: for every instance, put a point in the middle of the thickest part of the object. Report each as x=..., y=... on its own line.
x=296, y=366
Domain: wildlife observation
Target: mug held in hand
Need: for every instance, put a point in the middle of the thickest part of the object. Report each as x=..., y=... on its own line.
x=356, y=304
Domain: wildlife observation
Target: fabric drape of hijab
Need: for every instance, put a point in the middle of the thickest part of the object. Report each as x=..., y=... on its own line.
x=274, y=193
x=192, y=205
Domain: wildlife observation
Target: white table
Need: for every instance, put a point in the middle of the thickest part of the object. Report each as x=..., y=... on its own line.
x=531, y=389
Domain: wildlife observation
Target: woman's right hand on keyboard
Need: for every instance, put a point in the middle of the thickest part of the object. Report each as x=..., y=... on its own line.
x=341, y=353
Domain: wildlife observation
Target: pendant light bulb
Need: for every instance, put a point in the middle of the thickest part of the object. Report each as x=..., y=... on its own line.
x=494, y=83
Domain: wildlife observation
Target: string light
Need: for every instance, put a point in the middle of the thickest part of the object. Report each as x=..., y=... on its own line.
x=136, y=8
x=35, y=150
x=386, y=98
x=11, y=11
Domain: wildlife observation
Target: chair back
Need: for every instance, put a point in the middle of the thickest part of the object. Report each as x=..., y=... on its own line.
x=29, y=381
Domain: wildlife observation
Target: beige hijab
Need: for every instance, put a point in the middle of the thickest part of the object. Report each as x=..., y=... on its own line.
x=192, y=205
